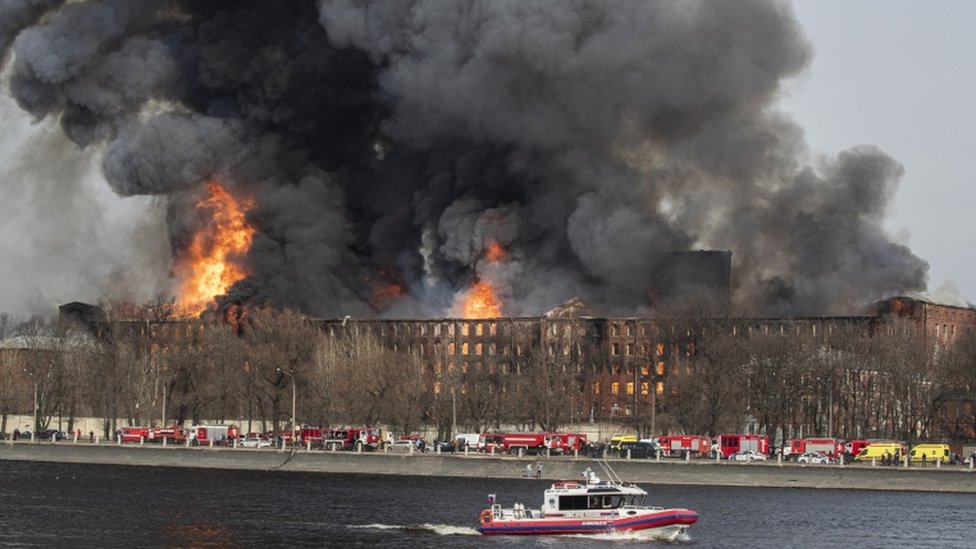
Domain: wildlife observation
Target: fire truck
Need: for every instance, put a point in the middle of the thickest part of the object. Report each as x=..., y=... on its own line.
x=731, y=443
x=678, y=445
x=204, y=435
x=827, y=446
x=351, y=438
x=854, y=447
x=314, y=436
x=173, y=433
x=566, y=443
x=135, y=434
x=531, y=443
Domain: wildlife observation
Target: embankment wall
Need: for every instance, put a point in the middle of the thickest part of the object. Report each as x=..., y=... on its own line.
x=700, y=473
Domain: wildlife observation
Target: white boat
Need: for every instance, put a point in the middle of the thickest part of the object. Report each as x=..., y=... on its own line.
x=588, y=506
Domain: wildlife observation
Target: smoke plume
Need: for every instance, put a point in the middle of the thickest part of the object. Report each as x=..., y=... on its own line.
x=391, y=143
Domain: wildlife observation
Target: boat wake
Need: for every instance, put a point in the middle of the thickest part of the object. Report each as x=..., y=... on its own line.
x=436, y=529
x=633, y=535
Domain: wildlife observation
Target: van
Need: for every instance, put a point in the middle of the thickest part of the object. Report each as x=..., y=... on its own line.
x=930, y=453
x=616, y=441
x=877, y=450
x=468, y=439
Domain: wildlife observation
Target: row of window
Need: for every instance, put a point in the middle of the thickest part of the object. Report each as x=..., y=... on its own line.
x=645, y=388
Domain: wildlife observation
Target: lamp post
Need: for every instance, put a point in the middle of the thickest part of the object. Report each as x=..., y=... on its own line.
x=292, y=376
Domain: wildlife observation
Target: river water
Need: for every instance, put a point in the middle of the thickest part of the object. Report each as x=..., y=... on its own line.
x=73, y=505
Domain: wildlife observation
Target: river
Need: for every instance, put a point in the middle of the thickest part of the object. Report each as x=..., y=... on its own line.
x=76, y=505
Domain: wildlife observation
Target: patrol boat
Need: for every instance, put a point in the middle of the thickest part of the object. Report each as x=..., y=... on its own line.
x=588, y=506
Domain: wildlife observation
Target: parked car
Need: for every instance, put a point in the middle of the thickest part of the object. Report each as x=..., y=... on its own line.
x=640, y=450
x=402, y=446
x=812, y=457
x=255, y=442
x=747, y=455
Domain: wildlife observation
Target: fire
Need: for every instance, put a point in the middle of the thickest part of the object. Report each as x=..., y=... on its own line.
x=209, y=267
x=385, y=296
x=495, y=252
x=481, y=302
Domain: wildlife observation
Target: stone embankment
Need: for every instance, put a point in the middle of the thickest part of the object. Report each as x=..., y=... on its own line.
x=696, y=472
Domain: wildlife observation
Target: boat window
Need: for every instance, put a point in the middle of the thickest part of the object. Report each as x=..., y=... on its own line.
x=570, y=503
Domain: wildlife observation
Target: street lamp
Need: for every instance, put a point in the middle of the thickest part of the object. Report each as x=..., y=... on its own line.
x=292, y=376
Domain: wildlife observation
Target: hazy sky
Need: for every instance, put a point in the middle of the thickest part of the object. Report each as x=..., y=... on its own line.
x=902, y=75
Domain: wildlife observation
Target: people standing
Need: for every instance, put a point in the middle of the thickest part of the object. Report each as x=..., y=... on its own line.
x=538, y=470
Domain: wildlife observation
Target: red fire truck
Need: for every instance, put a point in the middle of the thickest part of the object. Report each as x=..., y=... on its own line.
x=566, y=443
x=204, y=435
x=351, y=438
x=135, y=434
x=531, y=443
x=732, y=443
x=854, y=447
x=827, y=446
x=678, y=445
x=173, y=433
x=314, y=436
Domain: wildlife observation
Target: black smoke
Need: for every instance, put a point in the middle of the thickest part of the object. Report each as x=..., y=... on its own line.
x=393, y=142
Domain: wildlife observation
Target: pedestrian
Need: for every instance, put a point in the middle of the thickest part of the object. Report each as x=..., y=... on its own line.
x=91, y=436
x=528, y=470
x=17, y=435
x=538, y=470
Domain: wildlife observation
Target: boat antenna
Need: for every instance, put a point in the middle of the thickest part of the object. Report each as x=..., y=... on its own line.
x=611, y=474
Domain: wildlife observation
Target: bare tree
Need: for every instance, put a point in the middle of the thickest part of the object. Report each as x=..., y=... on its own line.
x=280, y=349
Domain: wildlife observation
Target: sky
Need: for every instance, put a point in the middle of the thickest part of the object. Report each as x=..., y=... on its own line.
x=901, y=75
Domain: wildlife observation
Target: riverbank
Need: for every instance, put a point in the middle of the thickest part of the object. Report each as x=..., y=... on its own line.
x=697, y=472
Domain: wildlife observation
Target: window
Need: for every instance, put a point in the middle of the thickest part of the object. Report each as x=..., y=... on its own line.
x=615, y=349
x=630, y=388
x=478, y=349
x=645, y=388
x=464, y=348
x=479, y=329
x=615, y=329
x=464, y=328
x=630, y=349
x=596, y=387
x=615, y=388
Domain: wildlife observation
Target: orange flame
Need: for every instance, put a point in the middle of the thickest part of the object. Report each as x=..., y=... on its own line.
x=208, y=267
x=495, y=252
x=481, y=302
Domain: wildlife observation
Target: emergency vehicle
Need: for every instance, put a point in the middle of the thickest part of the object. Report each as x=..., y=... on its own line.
x=135, y=434
x=530, y=443
x=351, y=438
x=731, y=443
x=678, y=445
x=205, y=435
x=172, y=433
x=829, y=447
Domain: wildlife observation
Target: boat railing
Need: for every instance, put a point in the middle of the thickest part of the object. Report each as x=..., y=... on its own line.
x=610, y=473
